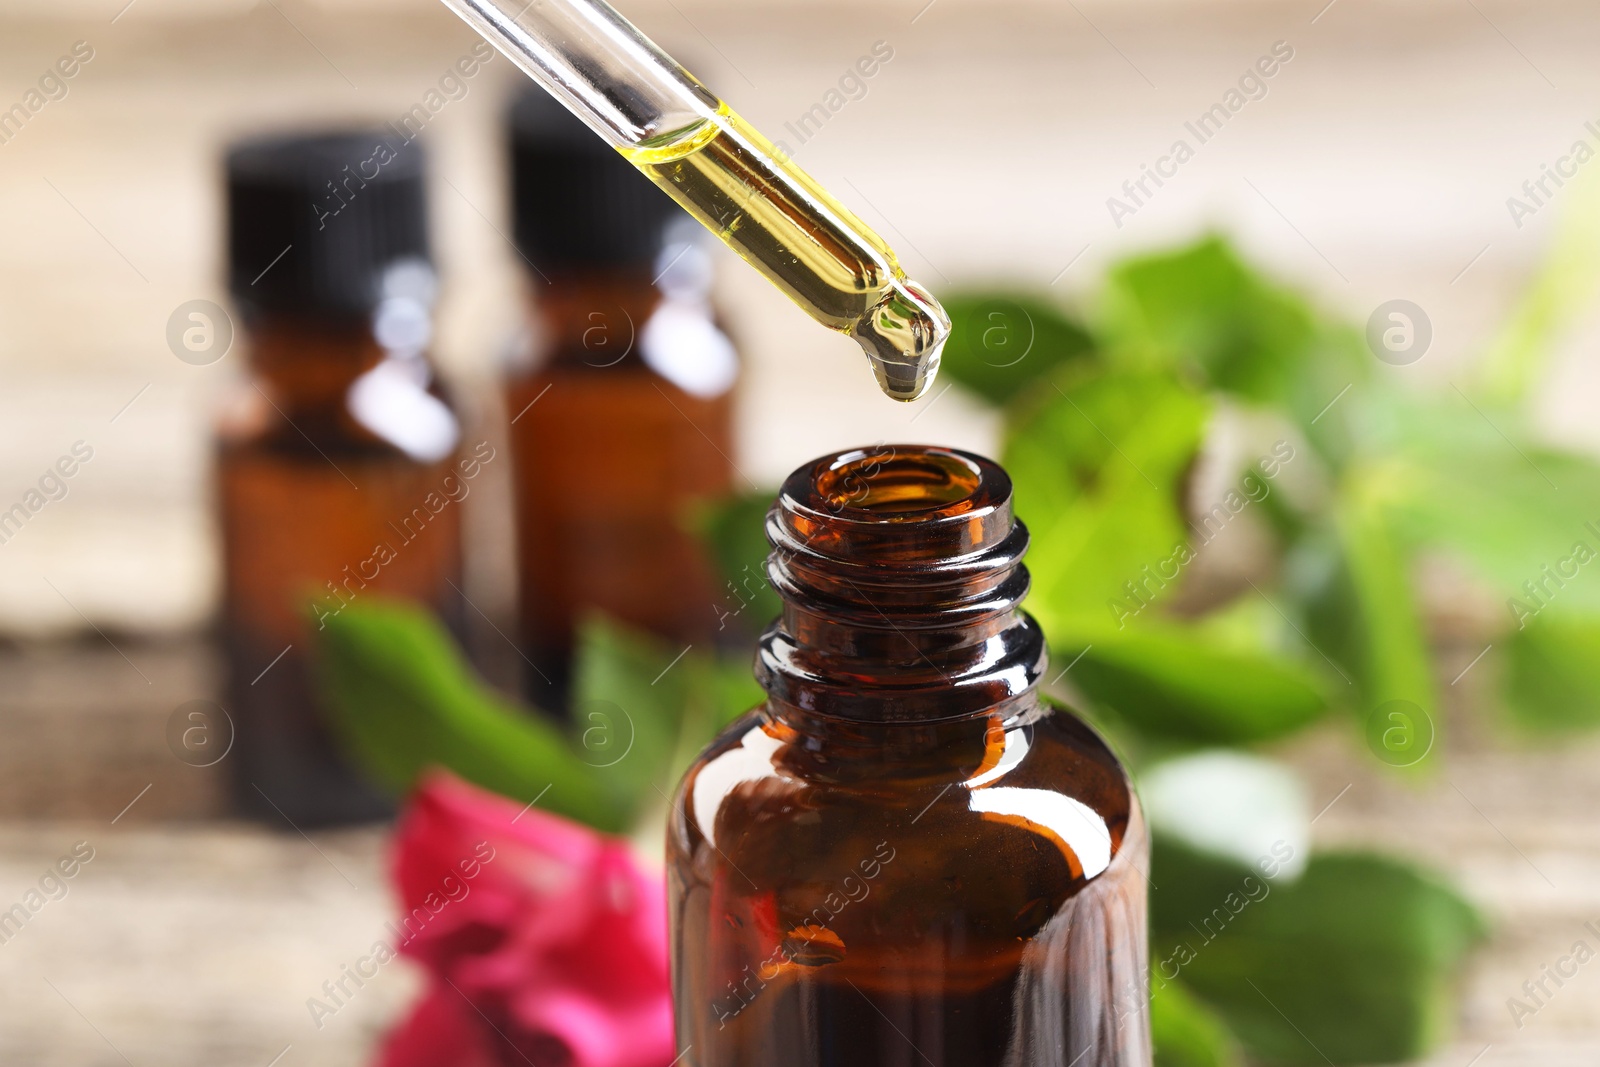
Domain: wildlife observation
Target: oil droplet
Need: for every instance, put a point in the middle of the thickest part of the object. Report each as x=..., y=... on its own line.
x=813, y=946
x=775, y=216
x=903, y=335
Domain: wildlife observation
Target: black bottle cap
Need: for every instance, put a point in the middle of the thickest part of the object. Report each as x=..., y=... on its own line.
x=579, y=205
x=315, y=221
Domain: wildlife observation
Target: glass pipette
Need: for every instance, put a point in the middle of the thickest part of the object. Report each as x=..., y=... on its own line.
x=724, y=173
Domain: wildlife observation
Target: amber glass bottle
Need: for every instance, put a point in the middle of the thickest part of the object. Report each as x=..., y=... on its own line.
x=621, y=416
x=905, y=856
x=337, y=471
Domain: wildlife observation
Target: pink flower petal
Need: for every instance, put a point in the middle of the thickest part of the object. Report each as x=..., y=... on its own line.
x=544, y=927
x=442, y=1029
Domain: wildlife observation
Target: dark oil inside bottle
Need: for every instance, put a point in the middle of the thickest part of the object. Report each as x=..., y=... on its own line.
x=621, y=417
x=339, y=466
x=905, y=856
x=317, y=513
x=611, y=459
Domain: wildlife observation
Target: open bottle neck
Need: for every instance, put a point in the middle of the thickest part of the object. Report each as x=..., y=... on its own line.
x=900, y=569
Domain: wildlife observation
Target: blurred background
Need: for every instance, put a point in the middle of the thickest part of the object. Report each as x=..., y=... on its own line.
x=1375, y=166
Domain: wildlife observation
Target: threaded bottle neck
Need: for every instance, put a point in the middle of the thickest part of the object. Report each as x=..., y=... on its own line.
x=900, y=569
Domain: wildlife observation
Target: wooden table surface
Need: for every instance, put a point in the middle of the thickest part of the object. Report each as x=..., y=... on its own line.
x=190, y=939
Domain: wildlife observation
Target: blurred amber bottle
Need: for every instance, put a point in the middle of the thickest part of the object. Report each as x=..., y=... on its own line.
x=621, y=413
x=338, y=476
x=906, y=855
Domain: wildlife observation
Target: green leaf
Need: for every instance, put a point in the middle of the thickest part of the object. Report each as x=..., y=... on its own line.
x=1203, y=311
x=1466, y=480
x=1562, y=290
x=1351, y=964
x=1553, y=674
x=629, y=699
x=1196, y=880
x=1097, y=467
x=1185, y=1032
x=645, y=712
x=1384, y=644
x=731, y=690
x=1180, y=683
x=1001, y=343
x=734, y=530
x=1204, y=308
x=404, y=700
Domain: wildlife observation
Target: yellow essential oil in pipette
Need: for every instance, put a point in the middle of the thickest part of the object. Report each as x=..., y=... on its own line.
x=809, y=245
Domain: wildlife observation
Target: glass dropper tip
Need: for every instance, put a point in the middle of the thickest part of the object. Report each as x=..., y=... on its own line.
x=903, y=335
x=724, y=173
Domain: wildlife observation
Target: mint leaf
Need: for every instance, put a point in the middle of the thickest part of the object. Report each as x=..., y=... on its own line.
x=1096, y=467
x=734, y=531
x=404, y=700
x=1203, y=311
x=1390, y=655
x=630, y=693
x=1553, y=674
x=1186, y=1033
x=1470, y=482
x=1351, y=964
x=1561, y=291
x=1000, y=343
x=1178, y=683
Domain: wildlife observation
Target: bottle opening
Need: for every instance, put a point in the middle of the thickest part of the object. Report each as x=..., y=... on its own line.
x=893, y=504
x=890, y=481
x=900, y=565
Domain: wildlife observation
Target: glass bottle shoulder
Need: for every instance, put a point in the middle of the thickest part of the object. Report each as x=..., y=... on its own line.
x=995, y=829
x=392, y=409
x=604, y=329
